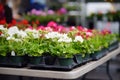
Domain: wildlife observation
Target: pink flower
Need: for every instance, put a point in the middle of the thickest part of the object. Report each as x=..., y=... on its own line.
x=106, y=31
x=43, y=14
x=85, y=29
x=38, y=12
x=33, y=11
x=72, y=28
x=89, y=34
x=62, y=11
x=41, y=28
x=89, y=30
x=52, y=24
x=30, y=27
x=66, y=30
x=51, y=12
x=48, y=28
x=60, y=28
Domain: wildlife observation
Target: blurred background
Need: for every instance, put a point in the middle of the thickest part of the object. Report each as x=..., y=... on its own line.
x=93, y=14
x=88, y=13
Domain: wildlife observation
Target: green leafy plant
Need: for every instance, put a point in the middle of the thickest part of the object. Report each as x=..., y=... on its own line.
x=3, y=46
x=62, y=49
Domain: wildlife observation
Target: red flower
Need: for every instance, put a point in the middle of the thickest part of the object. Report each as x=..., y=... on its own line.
x=78, y=34
x=105, y=31
x=14, y=22
x=33, y=22
x=3, y=21
x=25, y=22
x=80, y=28
x=0, y=33
x=89, y=30
x=37, y=22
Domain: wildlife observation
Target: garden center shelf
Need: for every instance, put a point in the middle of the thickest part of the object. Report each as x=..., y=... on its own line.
x=73, y=74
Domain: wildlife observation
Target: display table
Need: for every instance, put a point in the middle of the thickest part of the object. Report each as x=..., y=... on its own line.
x=75, y=73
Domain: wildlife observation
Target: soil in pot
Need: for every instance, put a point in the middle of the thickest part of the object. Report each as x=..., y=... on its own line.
x=36, y=60
x=65, y=61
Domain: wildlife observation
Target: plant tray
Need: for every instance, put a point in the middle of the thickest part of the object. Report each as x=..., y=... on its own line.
x=113, y=46
x=19, y=65
x=53, y=67
x=12, y=62
x=57, y=66
x=99, y=54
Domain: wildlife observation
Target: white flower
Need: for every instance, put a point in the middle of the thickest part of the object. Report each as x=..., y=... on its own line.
x=34, y=32
x=28, y=30
x=17, y=40
x=22, y=34
x=2, y=35
x=78, y=38
x=36, y=35
x=1, y=27
x=31, y=30
x=64, y=38
x=10, y=38
x=13, y=30
x=67, y=40
x=53, y=35
x=13, y=38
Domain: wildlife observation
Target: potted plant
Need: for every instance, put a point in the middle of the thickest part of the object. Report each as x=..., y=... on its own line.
x=3, y=45
x=16, y=53
x=3, y=50
x=99, y=45
x=35, y=52
x=34, y=47
x=113, y=42
x=63, y=49
x=78, y=46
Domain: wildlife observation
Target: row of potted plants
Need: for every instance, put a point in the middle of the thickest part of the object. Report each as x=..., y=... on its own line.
x=52, y=45
x=111, y=16
x=45, y=16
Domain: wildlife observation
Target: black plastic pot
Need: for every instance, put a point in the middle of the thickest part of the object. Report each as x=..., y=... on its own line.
x=99, y=54
x=65, y=61
x=113, y=45
x=16, y=61
x=86, y=59
x=78, y=58
x=96, y=55
x=3, y=60
x=35, y=60
x=50, y=60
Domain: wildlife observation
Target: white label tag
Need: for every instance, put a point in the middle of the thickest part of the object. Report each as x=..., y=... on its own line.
x=12, y=53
